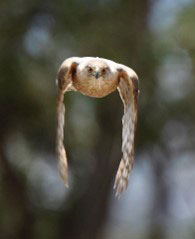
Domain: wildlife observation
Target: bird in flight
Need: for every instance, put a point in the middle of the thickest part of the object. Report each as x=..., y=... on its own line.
x=98, y=77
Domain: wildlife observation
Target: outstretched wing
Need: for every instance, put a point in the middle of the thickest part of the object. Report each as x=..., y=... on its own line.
x=64, y=83
x=128, y=90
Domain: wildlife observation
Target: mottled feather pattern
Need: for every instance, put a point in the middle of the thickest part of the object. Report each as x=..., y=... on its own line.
x=98, y=77
x=63, y=83
x=61, y=153
x=126, y=91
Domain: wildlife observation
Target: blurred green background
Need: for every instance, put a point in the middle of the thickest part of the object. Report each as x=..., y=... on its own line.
x=154, y=37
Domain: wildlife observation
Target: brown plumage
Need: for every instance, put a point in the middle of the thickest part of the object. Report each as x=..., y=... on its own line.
x=98, y=77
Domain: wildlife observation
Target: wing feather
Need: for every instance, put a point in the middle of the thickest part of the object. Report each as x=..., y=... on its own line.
x=128, y=90
x=64, y=82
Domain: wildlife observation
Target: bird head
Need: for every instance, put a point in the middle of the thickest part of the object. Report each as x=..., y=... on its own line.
x=95, y=69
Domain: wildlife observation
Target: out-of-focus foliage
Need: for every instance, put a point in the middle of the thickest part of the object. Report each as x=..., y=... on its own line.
x=156, y=39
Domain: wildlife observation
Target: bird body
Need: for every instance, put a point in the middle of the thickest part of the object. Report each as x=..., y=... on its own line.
x=98, y=77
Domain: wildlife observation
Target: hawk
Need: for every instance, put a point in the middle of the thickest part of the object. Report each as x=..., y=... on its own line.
x=98, y=77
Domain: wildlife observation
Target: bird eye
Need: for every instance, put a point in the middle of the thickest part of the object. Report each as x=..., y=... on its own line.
x=104, y=70
x=89, y=68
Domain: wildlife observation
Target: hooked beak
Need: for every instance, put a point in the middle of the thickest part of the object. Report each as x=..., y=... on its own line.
x=96, y=75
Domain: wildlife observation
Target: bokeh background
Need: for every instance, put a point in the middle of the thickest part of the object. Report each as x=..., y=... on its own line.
x=154, y=37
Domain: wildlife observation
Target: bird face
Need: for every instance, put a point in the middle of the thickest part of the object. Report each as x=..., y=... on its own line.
x=97, y=71
x=95, y=78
